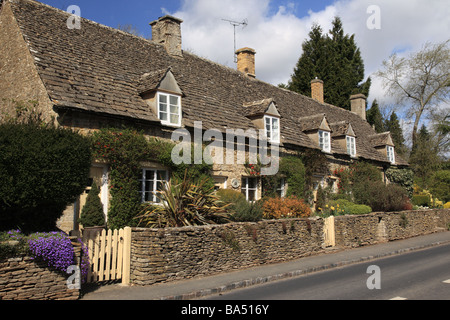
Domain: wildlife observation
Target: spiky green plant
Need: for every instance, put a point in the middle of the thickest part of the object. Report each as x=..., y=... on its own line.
x=184, y=203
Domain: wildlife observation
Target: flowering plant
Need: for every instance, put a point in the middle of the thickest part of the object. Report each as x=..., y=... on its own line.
x=253, y=169
x=54, y=248
x=282, y=208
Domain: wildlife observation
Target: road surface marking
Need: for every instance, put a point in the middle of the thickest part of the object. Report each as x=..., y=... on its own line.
x=398, y=298
x=446, y=281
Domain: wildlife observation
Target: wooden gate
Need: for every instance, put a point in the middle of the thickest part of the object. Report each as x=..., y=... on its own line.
x=109, y=254
x=328, y=232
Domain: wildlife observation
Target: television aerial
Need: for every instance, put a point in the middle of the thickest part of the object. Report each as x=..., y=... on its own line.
x=235, y=24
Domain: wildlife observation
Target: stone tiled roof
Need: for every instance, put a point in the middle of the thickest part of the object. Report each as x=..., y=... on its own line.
x=340, y=128
x=101, y=69
x=256, y=107
x=309, y=123
x=381, y=139
x=151, y=80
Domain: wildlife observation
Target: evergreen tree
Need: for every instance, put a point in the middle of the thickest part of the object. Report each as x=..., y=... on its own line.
x=424, y=159
x=375, y=118
x=393, y=126
x=308, y=66
x=92, y=212
x=335, y=59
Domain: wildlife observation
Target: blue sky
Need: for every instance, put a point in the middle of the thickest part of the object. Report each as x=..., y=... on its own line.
x=139, y=12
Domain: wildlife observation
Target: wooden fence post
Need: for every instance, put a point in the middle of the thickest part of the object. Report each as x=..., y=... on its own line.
x=328, y=232
x=126, y=256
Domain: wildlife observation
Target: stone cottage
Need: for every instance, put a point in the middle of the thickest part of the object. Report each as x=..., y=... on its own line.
x=88, y=76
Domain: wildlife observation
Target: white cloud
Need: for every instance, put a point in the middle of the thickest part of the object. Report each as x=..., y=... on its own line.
x=277, y=37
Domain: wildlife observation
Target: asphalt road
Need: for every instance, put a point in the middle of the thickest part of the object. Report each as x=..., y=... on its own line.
x=421, y=275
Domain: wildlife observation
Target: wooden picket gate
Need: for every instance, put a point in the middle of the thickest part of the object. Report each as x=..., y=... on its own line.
x=328, y=232
x=109, y=254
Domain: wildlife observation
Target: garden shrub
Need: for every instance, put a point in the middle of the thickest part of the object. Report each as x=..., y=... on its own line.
x=358, y=209
x=353, y=178
x=245, y=211
x=289, y=207
x=381, y=197
x=42, y=169
x=344, y=206
x=440, y=185
x=241, y=210
x=321, y=198
x=18, y=247
x=447, y=205
x=230, y=196
x=421, y=200
x=292, y=170
x=402, y=177
x=92, y=212
x=363, y=172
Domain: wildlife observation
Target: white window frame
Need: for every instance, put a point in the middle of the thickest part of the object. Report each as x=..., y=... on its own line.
x=272, y=133
x=281, y=188
x=324, y=140
x=154, y=180
x=351, y=146
x=390, y=154
x=169, y=106
x=245, y=188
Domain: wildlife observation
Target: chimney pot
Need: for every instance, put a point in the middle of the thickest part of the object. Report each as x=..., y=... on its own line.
x=246, y=61
x=317, y=90
x=167, y=31
x=358, y=104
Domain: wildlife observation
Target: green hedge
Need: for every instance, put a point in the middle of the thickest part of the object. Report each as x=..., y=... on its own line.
x=42, y=170
x=421, y=200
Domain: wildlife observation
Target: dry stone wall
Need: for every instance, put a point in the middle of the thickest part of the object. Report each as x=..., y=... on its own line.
x=354, y=231
x=22, y=278
x=164, y=255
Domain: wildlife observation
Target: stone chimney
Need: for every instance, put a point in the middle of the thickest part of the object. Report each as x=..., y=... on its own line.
x=246, y=61
x=167, y=31
x=358, y=104
x=317, y=90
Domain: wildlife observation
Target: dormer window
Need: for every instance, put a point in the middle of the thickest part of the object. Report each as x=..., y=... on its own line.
x=161, y=92
x=390, y=154
x=272, y=129
x=169, y=109
x=318, y=130
x=324, y=141
x=351, y=146
x=265, y=116
x=384, y=144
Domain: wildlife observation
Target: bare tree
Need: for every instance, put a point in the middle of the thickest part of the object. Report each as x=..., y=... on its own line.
x=421, y=81
x=129, y=28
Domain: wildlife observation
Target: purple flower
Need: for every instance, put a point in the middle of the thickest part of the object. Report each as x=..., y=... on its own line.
x=54, y=248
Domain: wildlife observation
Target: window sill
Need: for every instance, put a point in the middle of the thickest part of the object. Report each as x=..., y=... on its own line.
x=168, y=124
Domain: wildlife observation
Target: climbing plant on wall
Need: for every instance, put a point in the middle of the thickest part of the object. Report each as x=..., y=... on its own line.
x=124, y=150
